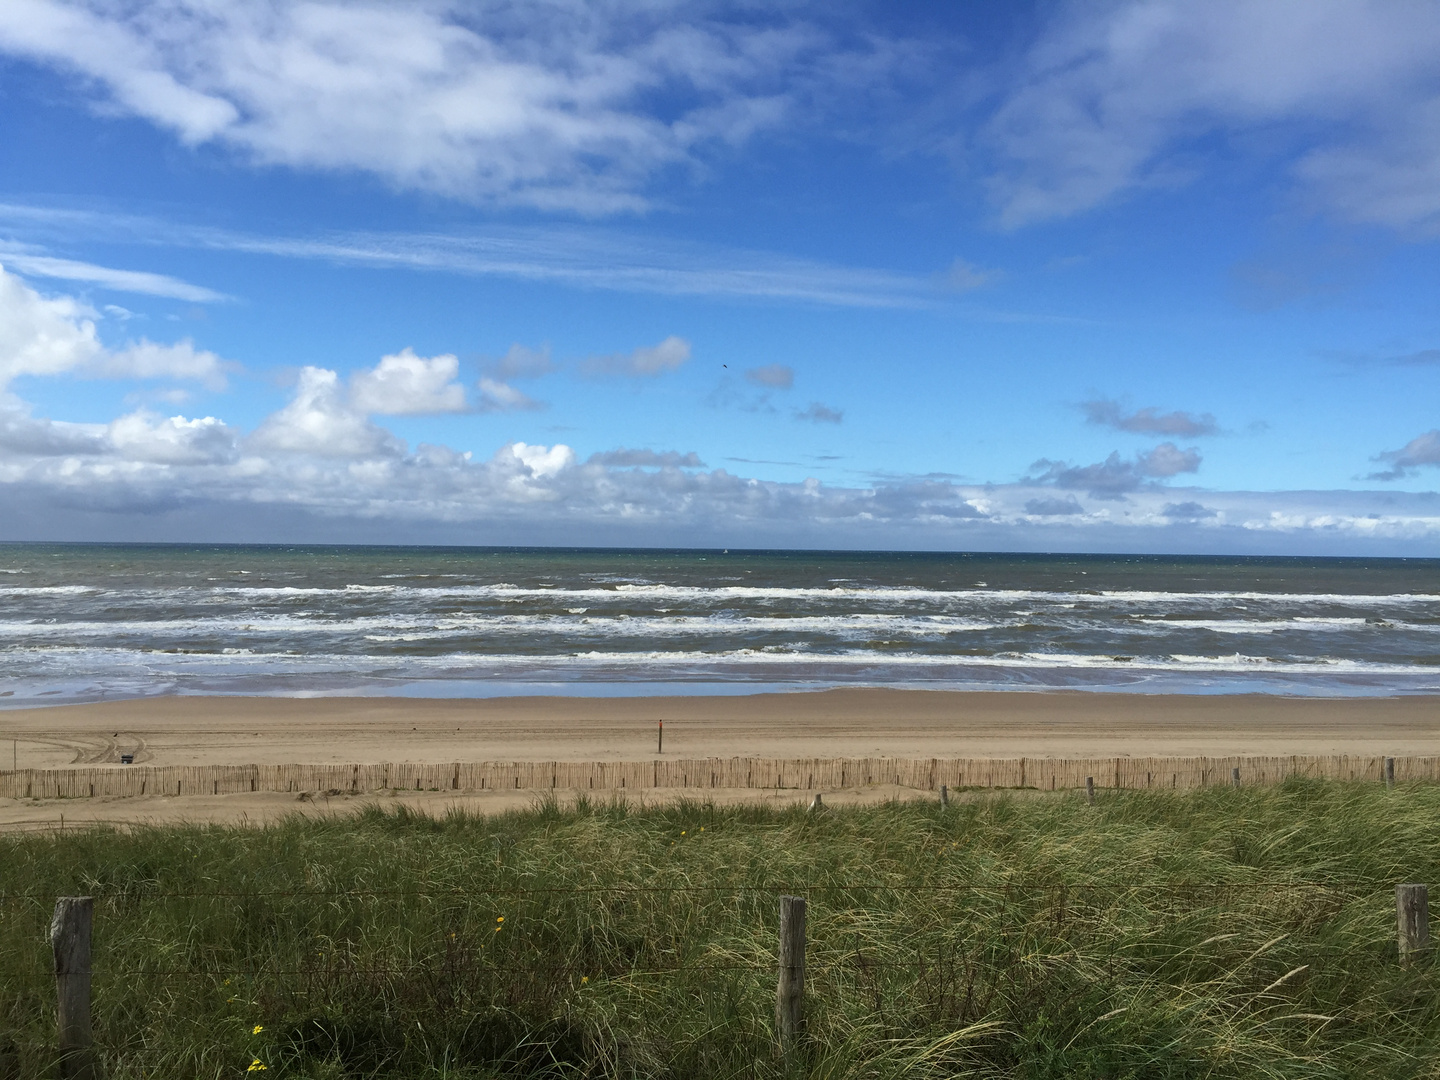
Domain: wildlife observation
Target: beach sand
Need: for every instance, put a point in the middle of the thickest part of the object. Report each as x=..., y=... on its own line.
x=832, y=723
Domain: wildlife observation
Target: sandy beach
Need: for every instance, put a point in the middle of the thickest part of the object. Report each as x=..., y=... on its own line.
x=833, y=723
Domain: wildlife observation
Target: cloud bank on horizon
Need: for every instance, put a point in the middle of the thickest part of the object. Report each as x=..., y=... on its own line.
x=1135, y=275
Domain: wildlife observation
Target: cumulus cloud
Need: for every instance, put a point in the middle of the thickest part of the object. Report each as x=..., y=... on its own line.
x=771, y=376
x=1111, y=96
x=819, y=413
x=171, y=478
x=554, y=107
x=1149, y=421
x=1419, y=451
x=1114, y=477
x=42, y=335
x=669, y=355
x=640, y=459
x=540, y=462
x=147, y=360
x=320, y=420
x=24, y=435
x=404, y=384
x=144, y=436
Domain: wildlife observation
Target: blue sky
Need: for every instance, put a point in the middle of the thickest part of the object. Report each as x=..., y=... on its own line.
x=1126, y=276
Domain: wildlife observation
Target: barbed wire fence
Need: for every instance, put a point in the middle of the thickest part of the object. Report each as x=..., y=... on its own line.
x=798, y=968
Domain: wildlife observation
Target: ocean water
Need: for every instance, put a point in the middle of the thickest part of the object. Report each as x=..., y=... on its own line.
x=83, y=622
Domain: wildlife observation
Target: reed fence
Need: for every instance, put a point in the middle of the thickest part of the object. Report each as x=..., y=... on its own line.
x=752, y=773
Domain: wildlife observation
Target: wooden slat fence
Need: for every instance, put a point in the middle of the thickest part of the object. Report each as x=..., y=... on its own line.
x=700, y=773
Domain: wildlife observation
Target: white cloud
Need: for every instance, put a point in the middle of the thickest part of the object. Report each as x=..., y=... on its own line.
x=56, y=335
x=1110, y=95
x=143, y=469
x=542, y=462
x=404, y=384
x=132, y=281
x=669, y=355
x=551, y=105
x=320, y=421
x=147, y=360
x=42, y=336
x=143, y=436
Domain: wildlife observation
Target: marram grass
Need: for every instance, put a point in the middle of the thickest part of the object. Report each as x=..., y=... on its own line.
x=1217, y=933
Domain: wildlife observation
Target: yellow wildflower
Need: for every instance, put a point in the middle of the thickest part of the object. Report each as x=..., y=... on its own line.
x=257, y=1066
x=584, y=979
x=258, y=1028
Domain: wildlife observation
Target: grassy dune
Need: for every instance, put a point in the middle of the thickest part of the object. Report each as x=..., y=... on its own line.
x=1215, y=933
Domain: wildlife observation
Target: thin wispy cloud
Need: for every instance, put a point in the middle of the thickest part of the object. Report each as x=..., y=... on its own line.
x=588, y=258
x=118, y=280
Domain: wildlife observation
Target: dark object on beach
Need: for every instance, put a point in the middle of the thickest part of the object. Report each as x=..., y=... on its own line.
x=1090, y=790
x=127, y=759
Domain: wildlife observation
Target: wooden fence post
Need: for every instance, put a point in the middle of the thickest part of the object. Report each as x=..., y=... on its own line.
x=1235, y=776
x=1389, y=772
x=1412, y=913
x=1090, y=790
x=818, y=804
x=70, y=941
x=944, y=796
x=790, y=991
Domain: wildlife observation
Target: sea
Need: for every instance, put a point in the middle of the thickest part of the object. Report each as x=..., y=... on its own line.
x=85, y=622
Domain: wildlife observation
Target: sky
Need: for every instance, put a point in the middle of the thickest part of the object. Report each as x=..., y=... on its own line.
x=1126, y=276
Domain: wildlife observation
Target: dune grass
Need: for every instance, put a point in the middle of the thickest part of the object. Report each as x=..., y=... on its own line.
x=1215, y=933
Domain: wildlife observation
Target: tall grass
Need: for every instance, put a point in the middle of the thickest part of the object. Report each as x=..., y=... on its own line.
x=1215, y=933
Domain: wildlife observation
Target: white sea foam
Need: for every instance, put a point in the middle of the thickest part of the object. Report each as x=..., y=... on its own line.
x=279, y=661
